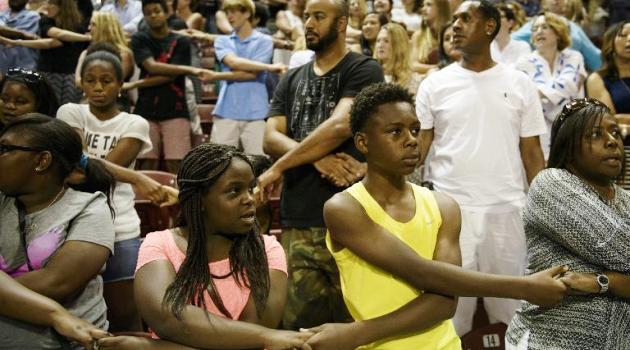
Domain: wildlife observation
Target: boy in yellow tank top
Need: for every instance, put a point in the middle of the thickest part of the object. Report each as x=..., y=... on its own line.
x=397, y=245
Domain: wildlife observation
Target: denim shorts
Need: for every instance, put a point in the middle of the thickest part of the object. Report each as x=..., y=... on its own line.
x=122, y=265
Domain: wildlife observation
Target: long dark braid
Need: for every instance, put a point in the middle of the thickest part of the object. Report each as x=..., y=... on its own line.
x=200, y=169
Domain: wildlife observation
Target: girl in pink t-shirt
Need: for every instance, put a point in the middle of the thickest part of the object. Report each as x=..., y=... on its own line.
x=197, y=283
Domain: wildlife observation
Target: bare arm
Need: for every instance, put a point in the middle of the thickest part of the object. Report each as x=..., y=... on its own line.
x=16, y=34
x=153, y=80
x=77, y=71
x=371, y=243
x=222, y=22
x=159, y=68
x=276, y=143
x=233, y=76
x=60, y=279
x=41, y=44
x=276, y=301
x=323, y=140
x=532, y=156
x=282, y=22
x=595, y=88
x=67, y=35
x=209, y=331
x=244, y=64
x=125, y=152
x=128, y=63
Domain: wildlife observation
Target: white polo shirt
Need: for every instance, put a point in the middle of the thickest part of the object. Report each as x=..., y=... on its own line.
x=478, y=119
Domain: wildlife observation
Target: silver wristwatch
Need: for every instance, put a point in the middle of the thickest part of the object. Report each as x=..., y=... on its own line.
x=602, y=281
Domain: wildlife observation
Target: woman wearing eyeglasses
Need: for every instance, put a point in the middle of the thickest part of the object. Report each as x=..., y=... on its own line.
x=24, y=91
x=575, y=215
x=557, y=70
x=54, y=240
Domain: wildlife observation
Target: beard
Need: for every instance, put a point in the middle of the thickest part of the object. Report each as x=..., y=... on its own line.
x=324, y=42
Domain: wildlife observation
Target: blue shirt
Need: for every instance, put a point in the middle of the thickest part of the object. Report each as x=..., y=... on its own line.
x=244, y=100
x=17, y=56
x=129, y=15
x=579, y=42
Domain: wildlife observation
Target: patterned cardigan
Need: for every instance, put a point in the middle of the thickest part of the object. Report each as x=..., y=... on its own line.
x=566, y=222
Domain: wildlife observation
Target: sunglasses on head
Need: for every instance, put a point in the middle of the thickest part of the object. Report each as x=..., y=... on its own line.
x=577, y=104
x=25, y=74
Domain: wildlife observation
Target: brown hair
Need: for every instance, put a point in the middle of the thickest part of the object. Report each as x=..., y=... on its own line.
x=560, y=26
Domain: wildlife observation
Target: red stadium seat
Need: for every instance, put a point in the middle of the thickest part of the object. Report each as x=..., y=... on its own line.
x=153, y=217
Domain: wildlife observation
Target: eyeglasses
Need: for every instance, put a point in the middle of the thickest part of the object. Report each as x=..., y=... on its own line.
x=577, y=104
x=26, y=74
x=10, y=148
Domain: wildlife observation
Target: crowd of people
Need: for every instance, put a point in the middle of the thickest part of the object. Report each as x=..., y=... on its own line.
x=427, y=154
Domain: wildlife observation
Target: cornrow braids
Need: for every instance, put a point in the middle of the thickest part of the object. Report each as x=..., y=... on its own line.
x=200, y=170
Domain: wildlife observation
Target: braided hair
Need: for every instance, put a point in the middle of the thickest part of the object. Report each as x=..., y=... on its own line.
x=200, y=170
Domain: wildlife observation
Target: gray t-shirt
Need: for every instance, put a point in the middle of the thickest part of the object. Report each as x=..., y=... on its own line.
x=76, y=216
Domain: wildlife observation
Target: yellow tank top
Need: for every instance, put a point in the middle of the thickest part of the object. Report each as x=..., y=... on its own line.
x=370, y=292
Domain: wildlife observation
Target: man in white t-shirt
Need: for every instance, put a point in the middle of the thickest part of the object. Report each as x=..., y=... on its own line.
x=480, y=123
x=504, y=49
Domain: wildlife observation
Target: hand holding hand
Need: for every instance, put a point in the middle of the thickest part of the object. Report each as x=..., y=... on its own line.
x=580, y=283
x=206, y=75
x=546, y=288
x=334, y=336
x=286, y=340
x=278, y=68
x=7, y=42
x=332, y=168
x=77, y=329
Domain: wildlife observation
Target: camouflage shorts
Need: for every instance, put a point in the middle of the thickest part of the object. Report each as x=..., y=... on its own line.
x=314, y=294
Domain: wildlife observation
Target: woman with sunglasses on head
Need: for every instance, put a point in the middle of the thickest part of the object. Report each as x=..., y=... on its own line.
x=62, y=40
x=575, y=215
x=54, y=239
x=24, y=91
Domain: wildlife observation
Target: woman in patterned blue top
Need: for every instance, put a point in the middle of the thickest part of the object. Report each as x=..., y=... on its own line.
x=576, y=216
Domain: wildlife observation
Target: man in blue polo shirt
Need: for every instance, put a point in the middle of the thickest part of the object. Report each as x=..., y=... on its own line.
x=243, y=104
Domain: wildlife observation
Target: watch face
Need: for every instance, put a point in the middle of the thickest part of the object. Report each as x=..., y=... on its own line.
x=602, y=279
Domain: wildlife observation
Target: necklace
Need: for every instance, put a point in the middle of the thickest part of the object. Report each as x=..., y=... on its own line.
x=32, y=226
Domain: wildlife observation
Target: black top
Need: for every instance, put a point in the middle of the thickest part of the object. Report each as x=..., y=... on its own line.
x=307, y=100
x=166, y=101
x=619, y=90
x=62, y=59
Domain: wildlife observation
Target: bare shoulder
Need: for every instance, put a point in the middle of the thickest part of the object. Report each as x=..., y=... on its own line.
x=340, y=210
x=595, y=78
x=449, y=209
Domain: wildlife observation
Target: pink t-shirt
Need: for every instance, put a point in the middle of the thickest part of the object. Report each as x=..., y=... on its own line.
x=161, y=245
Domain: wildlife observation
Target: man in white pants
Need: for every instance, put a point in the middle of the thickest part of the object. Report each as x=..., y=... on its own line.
x=480, y=123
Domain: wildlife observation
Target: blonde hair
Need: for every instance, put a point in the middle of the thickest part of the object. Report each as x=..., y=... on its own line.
x=107, y=29
x=363, y=10
x=240, y=5
x=425, y=39
x=560, y=27
x=398, y=63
